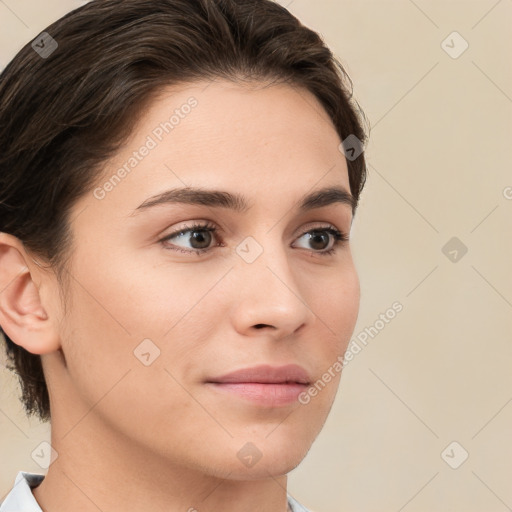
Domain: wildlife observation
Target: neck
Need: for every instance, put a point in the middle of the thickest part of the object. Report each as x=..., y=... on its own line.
x=97, y=469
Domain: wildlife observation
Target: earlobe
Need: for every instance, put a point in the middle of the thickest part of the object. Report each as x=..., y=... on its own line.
x=22, y=315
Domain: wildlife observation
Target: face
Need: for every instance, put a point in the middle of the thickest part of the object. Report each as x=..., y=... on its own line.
x=167, y=297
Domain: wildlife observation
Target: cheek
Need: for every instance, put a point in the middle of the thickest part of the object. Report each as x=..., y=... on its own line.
x=119, y=308
x=336, y=303
x=349, y=306
x=97, y=348
x=98, y=333
x=112, y=384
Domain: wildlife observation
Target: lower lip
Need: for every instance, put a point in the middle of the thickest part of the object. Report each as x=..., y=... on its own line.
x=271, y=395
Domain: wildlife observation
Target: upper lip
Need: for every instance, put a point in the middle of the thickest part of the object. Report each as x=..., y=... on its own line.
x=266, y=374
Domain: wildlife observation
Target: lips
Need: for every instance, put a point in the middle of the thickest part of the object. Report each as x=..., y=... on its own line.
x=263, y=386
x=265, y=374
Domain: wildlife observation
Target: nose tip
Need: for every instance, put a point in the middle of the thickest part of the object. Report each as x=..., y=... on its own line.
x=274, y=309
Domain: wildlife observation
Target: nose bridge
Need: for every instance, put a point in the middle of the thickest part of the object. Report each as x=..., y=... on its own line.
x=270, y=293
x=265, y=257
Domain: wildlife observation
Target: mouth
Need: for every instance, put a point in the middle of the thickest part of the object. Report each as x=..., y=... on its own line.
x=264, y=395
x=264, y=385
x=266, y=374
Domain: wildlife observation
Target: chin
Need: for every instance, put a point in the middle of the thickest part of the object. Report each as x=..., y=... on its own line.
x=262, y=458
x=263, y=470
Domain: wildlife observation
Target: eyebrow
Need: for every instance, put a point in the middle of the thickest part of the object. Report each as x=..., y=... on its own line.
x=238, y=203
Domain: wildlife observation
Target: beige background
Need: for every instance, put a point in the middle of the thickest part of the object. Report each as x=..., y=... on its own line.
x=439, y=160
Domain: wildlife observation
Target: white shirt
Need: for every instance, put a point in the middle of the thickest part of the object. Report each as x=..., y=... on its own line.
x=21, y=499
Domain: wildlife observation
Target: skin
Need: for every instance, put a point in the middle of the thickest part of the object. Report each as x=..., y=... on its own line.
x=131, y=437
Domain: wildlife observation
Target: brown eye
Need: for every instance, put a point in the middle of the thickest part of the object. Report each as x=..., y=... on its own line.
x=200, y=241
x=319, y=240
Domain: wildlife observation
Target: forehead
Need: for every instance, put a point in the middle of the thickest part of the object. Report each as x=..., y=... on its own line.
x=269, y=139
x=235, y=120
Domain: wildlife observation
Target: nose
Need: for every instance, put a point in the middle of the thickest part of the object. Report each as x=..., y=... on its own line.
x=271, y=296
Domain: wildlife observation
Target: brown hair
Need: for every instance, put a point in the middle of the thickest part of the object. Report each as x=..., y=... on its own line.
x=65, y=112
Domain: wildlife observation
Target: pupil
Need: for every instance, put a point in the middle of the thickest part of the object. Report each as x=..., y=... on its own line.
x=317, y=236
x=198, y=236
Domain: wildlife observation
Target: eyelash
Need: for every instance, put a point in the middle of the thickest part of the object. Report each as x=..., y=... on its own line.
x=339, y=238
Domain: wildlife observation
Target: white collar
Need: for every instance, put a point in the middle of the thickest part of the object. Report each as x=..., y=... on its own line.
x=20, y=498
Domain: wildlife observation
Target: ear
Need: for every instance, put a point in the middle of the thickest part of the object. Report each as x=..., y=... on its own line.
x=22, y=315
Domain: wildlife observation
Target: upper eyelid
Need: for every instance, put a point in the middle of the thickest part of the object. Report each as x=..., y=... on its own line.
x=211, y=226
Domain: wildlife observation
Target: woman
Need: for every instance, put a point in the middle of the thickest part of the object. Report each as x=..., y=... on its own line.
x=178, y=182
